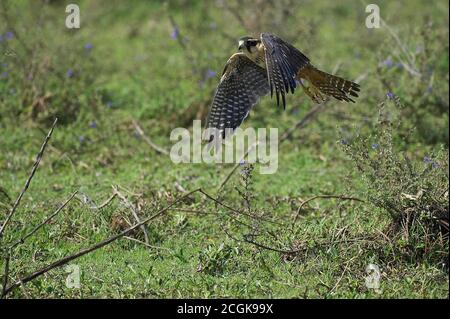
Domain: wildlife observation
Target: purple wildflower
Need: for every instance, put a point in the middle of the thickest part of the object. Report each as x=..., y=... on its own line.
x=344, y=141
x=375, y=146
x=399, y=65
x=427, y=160
x=69, y=73
x=242, y=162
x=88, y=46
x=434, y=165
x=390, y=95
x=9, y=35
x=1, y=38
x=93, y=124
x=388, y=63
x=210, y=74
x=175, y=33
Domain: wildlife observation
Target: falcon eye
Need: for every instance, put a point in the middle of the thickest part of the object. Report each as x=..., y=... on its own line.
x=251, y=43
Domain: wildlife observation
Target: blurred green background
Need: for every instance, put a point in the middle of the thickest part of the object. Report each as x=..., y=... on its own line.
x=157, y=63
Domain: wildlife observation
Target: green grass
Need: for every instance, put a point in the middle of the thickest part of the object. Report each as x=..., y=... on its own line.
x=136, y=71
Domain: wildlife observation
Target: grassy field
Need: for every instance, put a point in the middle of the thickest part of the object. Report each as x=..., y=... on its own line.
x=156, y=64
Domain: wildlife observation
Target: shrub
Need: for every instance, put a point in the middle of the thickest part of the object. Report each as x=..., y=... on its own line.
x=413, y=192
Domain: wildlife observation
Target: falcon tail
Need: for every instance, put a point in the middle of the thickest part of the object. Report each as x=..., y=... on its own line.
x=328, y=84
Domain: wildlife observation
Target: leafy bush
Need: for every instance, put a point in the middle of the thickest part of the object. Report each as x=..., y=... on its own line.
x=414, y=193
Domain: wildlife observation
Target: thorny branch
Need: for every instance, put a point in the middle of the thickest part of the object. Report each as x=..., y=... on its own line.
x=30, y=177
x=32, y=232
x=341, y=197
x=99, y=245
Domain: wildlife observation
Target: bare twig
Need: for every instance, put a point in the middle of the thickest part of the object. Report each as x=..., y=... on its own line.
x=343, y=273
x=145, y=244
x=133, y=211
x=96, y=207
x=30, y=177
x=31, y=233
x=180, y=188
x=341, y=197
x=236, y=211
x=231, y=172
x=106, y=202
x=304, y=247
x=99, y=245
x=6, y=275
x=148, y=140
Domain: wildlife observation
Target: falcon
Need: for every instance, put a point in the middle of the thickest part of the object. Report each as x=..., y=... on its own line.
x=268, y=64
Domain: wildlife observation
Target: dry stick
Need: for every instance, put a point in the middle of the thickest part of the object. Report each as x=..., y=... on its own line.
x=99, y=245
x=343, y=273
x=106, y=203
x=237, y=211
x=31, y=233
x=6, y=275
x=148, y=140
x=248, y=241
x=134, y=212
x=296, y=251
x=341, y=197
x=157, y=148
x=285, y=136
x=103, y=205
x=145, y=244
x=30, y=177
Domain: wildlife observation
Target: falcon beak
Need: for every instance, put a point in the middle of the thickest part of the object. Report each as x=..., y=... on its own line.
x=241, y=45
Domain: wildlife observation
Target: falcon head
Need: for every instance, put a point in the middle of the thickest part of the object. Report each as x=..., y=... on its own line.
x=247, y=44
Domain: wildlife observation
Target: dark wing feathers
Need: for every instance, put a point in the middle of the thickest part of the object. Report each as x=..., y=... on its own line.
x=242, y=84
x=283, y=62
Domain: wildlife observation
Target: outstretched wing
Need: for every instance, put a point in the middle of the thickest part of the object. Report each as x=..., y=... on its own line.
x=242, y=84
x=283, y=62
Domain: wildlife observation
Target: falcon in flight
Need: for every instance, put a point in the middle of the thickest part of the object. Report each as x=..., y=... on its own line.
x=263, y=65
